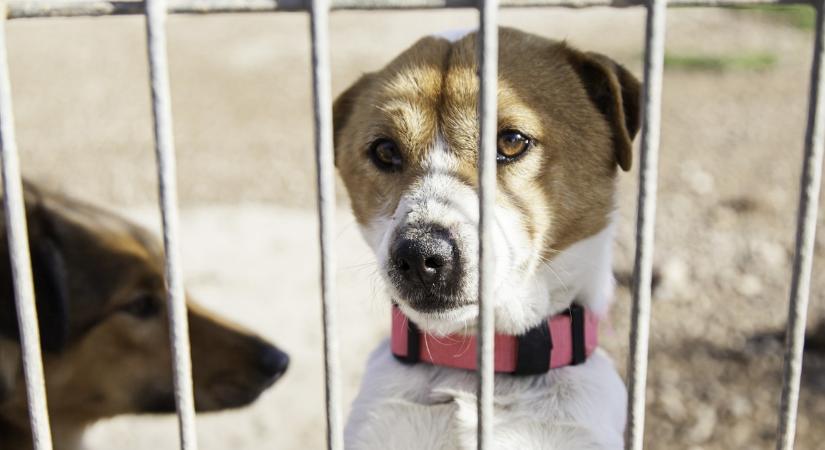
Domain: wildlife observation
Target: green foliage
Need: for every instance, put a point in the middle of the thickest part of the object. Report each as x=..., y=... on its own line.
x=759, y=61
x=802, y=17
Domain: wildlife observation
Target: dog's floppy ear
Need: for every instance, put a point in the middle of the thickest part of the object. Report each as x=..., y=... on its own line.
x=615, y=91
x=52, y=291
x=50, y=280
x=343, y=106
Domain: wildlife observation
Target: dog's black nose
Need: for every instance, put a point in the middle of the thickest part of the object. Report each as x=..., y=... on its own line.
x=272, y=362
x=424, y=258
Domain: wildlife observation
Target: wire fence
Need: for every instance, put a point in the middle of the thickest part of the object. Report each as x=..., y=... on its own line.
x=168, y=196
x=645, y=219
x=20, y=257
x=156, y=12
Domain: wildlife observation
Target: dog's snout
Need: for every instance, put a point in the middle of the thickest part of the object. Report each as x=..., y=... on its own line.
x=272, y=362
x=424, y=258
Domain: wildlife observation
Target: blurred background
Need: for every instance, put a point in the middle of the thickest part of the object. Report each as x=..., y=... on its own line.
x=735, y=90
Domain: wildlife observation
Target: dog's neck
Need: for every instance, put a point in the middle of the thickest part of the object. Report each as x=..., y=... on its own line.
x=581, y=273
x=15, y=431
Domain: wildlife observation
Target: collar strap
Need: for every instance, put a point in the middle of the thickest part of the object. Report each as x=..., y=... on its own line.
x=565, y=339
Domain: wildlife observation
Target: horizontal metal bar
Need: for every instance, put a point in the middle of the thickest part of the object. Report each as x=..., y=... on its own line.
x=23, y=9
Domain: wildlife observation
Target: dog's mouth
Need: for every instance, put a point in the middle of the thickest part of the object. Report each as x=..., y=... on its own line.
x=224, y=392
x=425, y=299
x=456, y=319
x=431, y=304
x=227, y=395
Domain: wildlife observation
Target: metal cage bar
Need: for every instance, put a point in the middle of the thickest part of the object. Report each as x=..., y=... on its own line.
x=324, y=157
x=20, y=258
x=645, y=221
x=810, y=184
x=488, y=129
x=168, y=199
x=71, y=8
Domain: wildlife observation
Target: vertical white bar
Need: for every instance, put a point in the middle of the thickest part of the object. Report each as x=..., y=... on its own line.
x=810, y=183
x=488, y=131
x=319, y=15
x=167, y=184
x=645, y=221
x=18, y=240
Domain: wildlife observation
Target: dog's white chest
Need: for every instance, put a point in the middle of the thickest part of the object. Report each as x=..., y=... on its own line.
x=424, y=407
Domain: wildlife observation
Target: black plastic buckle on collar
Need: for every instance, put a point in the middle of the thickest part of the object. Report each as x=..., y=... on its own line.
x=413, y=344
x=534, y=348
x=577, y=329
x=536, y=345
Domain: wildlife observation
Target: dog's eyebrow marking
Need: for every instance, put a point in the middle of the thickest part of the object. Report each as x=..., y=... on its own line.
x=438, y=157
x=407, y=118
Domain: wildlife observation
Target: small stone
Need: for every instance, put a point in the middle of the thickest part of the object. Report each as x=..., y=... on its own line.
x=724, y=217
x=740, y=406
x=675, y=279
x=770, y=253
x=672, y=404
x=778, y=198
x=749, y=285
x=741, y=204
x=703, y=427
x=699, y=181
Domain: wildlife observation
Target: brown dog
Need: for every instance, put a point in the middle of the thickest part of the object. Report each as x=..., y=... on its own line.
x=100, y=299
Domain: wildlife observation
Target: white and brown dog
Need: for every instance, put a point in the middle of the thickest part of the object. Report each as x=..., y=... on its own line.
x=406, y=147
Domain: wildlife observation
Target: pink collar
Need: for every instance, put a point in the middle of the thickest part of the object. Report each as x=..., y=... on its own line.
x=565, y=339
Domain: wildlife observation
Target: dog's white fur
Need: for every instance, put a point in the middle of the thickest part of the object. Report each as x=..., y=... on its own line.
x=427, y=407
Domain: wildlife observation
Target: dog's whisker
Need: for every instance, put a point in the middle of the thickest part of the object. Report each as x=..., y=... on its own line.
x=579, y=258
x=359, y=266
x=466, y=326
x=344, y=227
x=556, y=274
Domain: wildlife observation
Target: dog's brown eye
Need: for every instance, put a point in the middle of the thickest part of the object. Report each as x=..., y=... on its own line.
x=385, y=154
x=511, y=145
x=143, y=306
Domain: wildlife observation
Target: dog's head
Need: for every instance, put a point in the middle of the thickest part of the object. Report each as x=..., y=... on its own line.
x=406, y=141
x=100, y=296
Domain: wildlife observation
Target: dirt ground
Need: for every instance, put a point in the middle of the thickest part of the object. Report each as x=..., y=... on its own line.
x=731, y=154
